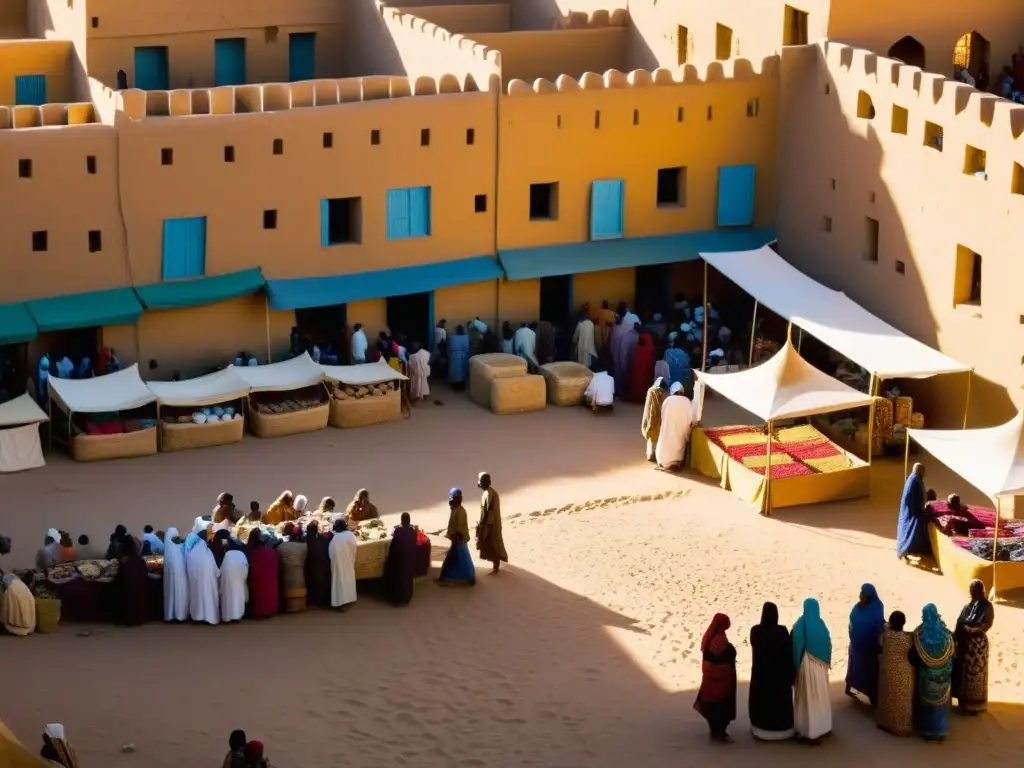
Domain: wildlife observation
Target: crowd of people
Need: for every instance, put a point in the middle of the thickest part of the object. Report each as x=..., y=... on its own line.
x=908, y=678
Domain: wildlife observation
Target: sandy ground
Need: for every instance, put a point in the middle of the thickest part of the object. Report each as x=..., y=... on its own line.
x=585, y=651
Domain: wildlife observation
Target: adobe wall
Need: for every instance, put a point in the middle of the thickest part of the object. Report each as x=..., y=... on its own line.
x=64, y=21
x=13, y=20
x=36, y=57
x=611, y=285
x=467, y=19
x=550, y=14
x=518, y=302
x=549, y=134
x=461, y=303
x=234, y=195
x=924, y=203
x=530, y=55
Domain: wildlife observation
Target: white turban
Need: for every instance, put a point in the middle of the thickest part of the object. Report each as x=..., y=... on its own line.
x=300, y=503
x=676, y=387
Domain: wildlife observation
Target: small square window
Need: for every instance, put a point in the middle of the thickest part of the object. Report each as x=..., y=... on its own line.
x=544, y=201
x=278, y=146
x=558, y=121
x=229, y=154
x=901, y=268
x=375, y=137
x=90, y=164
x=826, y=225
x=636, y=117
x=25, y=169
x=870, y=239
x=470, y=136
x=967, y=277
x=871, y=197
x=865, y=106
x=328, y=140
x=270, y=219
x=900, y=119
x=672, y=187
x=975, y=161
x=166, y=156
x=933, y=135
x=1017, y=180
x=480, y=204
x=832, y=183
x=680, y=113
x=828, y=89
x=95, y=22
x=39, y=241
x=424, y=137
x=95, y=241
x=753, y=107
x=597, y=118
x=344, y=221
x=709, y=112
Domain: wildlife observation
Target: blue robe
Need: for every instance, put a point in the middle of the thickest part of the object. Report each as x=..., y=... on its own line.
x=912, y=531
x=678, y=366
x=866, y=624
x=458, y=358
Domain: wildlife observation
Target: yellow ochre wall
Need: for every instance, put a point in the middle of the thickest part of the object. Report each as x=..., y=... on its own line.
x=531, y=54
x=611, y=285
x=372, y=313
x=461, y=303
x=36, y=57
x=519, y=301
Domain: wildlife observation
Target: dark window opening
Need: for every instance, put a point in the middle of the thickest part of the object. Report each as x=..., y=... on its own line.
x=871, y=239
x=95, y=241
x=544, y=201
x=470, y=136
x=424, y=137
x=229, y=154
x=270, y=219
x=278, y=146
x=90, y=164
x=672, y=186
x=328, y=140
x=597, y=118
x=480, y=204
x=25, y=169
x=39, y=241
x=556, y=298
x=636, y=117
x=343, y=220
x=375, y=137
x=166, y=156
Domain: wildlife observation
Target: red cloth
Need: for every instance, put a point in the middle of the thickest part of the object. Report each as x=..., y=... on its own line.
x=641, y=370
x=718, y=677
x=263, y=582
x=714, y=639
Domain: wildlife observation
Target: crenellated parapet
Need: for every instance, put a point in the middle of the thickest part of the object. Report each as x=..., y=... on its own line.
x=46, y=116
x=618, y=17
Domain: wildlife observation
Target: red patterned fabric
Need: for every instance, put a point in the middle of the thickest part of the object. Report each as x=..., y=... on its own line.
x=812, y=450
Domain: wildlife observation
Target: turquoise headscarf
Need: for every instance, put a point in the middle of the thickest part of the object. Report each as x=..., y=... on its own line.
x=191, y=540
x=933, y=632
x=811, y=635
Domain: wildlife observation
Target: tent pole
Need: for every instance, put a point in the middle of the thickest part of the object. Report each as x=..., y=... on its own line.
x=768, y=476
x=967, y=402
x=266, y=305
x=753, y=335
x=49, y=412
x=789, y=332
x=704, y=333
x=906, y=456
x=995, y=547
x=800, y=339
x=871, y=419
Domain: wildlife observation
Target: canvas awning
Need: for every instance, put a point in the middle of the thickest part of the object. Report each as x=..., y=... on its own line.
x=291, y=374
x=21, y=410
x=120, y=391
x=992, y=459
x=212, y=388
x=178, y=294
x=16, y=324
x=117, y=306
x=831, y=316
x=785, y=386
x=366, y=373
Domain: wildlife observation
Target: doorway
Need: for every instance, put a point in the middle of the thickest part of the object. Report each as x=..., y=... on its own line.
x=412, y=316
x=556, y=299
x=908, y=50
x=14, y=371
x=652, y=290
x=324, y=327
x=970, y=60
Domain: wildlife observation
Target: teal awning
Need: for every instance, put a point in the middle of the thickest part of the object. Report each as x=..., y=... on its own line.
x=596, y=255
x=177, y=294
x=16, y=324
x=305, y=292
x=117, y=306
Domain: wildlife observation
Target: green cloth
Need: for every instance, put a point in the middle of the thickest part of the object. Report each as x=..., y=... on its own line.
x=16, y=324
x=117, y=306
x=177, y=294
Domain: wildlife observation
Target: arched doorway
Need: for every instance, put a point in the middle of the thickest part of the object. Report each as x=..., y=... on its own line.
x=908, y=50
x=970, y=60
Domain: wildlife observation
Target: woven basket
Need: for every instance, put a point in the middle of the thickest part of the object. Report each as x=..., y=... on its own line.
x=347, y=414
x=566, y=382
x=183, y=437
x=281, y=424
x=370, y=558
x=123, y=446
x=518, y=394
x=903, y=410
x=47, y=615
x=483, y=369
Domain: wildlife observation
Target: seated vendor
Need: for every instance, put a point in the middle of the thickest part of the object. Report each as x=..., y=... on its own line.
x=49, y=555
x=282, y=510
x=248, y=523
x=361, y=508
x=600, y=392
x=953, y=500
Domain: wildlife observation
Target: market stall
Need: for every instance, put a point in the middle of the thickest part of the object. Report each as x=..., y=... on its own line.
x=780, y=466
x=105, y=417
x=992, y=460
x=365, y=394
x=201, y=412
x=286, y=398
x=20, y=445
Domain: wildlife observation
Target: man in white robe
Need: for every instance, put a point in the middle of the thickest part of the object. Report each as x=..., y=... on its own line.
x=343, y=565
x=17, y=607
x=583, y=342
x=234, y=585
x=175, y=579
x=203, y=580
x=524, y=342
x=600, y=392
x=419, y=372
x=359, y=344
x=676, y=415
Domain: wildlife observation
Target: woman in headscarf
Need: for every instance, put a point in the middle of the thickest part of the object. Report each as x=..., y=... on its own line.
x=132, y=586
x=716, y=699
x=506, y=337
x=282, y=510
x=867, y=620
x=458, y=565
x=175, y=579
x=17, y=607
x=400, y=566
x=234, y=589
x=360, y=508
x=932, y=658
x=49, y=555
x=203, y=580
x=300, y=506
x=263, y=577
x=318, y=565
x=970, y=671
x=894, y=710
x=458, y=356
x=812, y=657
x=293, y=568
x=650, y=424
x=219, y=546
x=641, y=370
x=678, y=362
x=117, y=539
x=771, y=678
x=624, y=341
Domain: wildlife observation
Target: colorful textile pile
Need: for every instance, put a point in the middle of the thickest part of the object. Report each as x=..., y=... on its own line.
x=836, y=463
x=793, y=469
x=796, y=451
x=800, y=434
x=812, y=449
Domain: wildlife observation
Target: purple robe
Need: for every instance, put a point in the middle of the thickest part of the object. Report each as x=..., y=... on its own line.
x=624, y=341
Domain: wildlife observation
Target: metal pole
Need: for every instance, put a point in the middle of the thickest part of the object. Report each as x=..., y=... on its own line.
x=768, y=476
x=266, y=305
x=871, y=419
x=800, y=339
x=704, y=333
x=753, y=335
x=906, y=457
x=967, y=402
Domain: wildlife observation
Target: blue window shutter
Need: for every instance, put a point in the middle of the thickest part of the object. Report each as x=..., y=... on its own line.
x=197, y=247
x=736, y=195
x=30, y=89
x=398, y=214
x=229, y=61
x=325, y=223
x=301, y=56
x=152, y=72
x=171, y=268
x=606, y=209
x=184, y=248
x=419, y=211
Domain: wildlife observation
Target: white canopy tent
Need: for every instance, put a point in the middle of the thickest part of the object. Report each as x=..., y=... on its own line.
x=217, y=387
x=296, y=373
x=363, y=374
x=20, y=445
x=120, y=391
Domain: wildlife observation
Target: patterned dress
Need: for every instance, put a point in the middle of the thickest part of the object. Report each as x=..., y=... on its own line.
x=895, y=707
x=970, y=669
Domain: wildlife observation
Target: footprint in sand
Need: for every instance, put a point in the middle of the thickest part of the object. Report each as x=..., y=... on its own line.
x=506, y=702
x=407, y=718
x=547, y=714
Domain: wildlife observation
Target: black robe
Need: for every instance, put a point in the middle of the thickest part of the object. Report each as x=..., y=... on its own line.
x=400, y=568
x=771, y=679
x=132, y=590
x=318, y=571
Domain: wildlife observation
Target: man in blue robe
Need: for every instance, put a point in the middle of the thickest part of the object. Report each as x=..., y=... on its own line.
x=912, y=530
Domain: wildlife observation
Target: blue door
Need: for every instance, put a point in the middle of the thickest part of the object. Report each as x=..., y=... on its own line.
x=606, y=209
x=398, y=214
x=408, y=213
x=151, y=70
x=419, y=211
x=184, y=248
x=229, y=61
x=30, y=89
x=301, y=56
x=736, y=195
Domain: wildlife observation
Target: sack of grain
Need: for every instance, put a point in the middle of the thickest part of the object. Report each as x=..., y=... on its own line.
x=483, y=369
x=917, y=421
x=903, y=409
x=518, y=394
x=566, y=382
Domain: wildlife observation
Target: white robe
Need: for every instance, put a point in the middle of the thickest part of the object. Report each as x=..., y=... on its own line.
x=203, y=578
x=676, y=413
x=583, y=342
x=175, y=579
x=419, y=370
x=601, y=390
x=17, y=607
x=234, y=585
x=343, y=568
x=524, y=341
x=812, y=707
x=359, y=346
